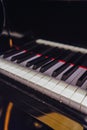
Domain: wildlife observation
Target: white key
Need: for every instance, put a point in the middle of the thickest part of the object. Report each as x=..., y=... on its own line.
x=67, y=93
x=36, y=78
x=29, y=75
x=77, y=98
x=44, y=81
x=50, y=70
x=84, y=105
x=57, y=90
x=49, y=86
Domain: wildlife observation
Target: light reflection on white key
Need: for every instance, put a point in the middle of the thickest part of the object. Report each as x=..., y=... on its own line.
x=84, y=105
x=50, y=71
x=77, y=98
x=67, y=93
x=51, y=84
x=59, y=88
x=29, y=75
x=36, y=78
x=44, y=80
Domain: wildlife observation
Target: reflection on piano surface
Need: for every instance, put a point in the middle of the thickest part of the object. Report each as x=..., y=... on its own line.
x=46, y=79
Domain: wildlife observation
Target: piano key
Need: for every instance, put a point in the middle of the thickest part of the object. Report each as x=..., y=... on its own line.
x=40, y=63
x=78, y=74
x=36, y=78
x=84, y=86
x=11, y=53
x=25, y=62
x=77, y=98
x=32, y=62
x=74, y=68
x=44, y=81
x=67, y=93
x=60, y=69
x=84, y=105
x=48, y=65
x=61, y=74
x=28, y=56
x=15, y=51
x=50, y=70
x=70, y=90
x=68, y=73
x=72, y=79
x=26, y=52
x=49, y=86
x=60, y=56
x=58, y=89
x=15, y=57
x=70, y=56
x=82, y=79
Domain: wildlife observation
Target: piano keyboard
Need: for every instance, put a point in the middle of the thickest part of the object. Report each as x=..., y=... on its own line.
x=57, y=70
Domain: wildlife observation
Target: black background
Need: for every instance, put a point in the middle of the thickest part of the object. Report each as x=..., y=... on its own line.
x=63, y=21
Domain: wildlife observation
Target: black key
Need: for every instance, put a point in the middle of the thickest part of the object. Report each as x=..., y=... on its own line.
x=62, y=54
x=15, y=51
x=74, y=58
x=12, y=49
x=60, y=69
x=78, y=61
x=53, y=52
x=34, y=61
x=82, y=79
x=66, y=55
x=37, y=65
x=71, y=57
x=67, y=74
x=10, y=53
x=25, y=54
x=28, y=56
x=84, y=61
x=48, y=65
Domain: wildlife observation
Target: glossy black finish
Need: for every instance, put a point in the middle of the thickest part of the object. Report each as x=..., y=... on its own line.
x=82, y=79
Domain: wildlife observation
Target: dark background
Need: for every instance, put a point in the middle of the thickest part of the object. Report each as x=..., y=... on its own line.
x=64, y=21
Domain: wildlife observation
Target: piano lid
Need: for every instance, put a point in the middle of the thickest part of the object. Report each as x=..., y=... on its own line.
x=51, y=20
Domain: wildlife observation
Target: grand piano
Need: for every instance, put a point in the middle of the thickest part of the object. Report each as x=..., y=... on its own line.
x=43, y=60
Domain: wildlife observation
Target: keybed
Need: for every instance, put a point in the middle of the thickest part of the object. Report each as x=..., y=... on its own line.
x=56, y=70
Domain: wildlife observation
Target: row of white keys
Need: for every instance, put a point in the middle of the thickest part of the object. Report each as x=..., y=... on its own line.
x=65, y=91
x=77, y=100
x=77, y=93
x=73, y=95
x=62, y=85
